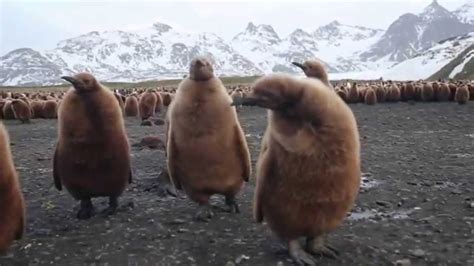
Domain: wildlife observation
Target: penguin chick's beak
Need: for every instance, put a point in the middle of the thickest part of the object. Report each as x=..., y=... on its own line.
x=299, y=65
x=75, y=82
x=247, y=101
x=257, y=101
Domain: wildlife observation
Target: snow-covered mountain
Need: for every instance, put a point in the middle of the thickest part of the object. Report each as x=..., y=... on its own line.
x=424, y=65
x=410, y=34
x=465, y=13
x=160, y=51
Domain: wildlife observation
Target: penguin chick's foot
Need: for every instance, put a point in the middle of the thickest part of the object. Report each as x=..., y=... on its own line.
x=112, y=209
x=86, y=211
x=299, y=256
x=231, y=205
x=317, y=246
x=204, y=214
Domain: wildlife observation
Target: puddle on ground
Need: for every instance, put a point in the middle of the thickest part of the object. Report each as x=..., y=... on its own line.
x=377, y=215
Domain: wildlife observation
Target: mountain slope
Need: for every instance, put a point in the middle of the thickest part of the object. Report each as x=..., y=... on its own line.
x=461, y=67
x=432, y=60
x=410, y=33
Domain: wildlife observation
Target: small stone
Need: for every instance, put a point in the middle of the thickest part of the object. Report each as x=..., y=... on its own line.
x=230, y=263
x=403, y=262
x=240, y=258
x=383, y=203
x=418, y=253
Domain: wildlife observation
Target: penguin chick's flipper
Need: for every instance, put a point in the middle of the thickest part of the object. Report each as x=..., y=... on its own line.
x=57, y=179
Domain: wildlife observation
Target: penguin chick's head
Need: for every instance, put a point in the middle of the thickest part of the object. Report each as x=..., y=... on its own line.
x=83, y=82
x=201, y=69
x=313, y=69
x=274, y=92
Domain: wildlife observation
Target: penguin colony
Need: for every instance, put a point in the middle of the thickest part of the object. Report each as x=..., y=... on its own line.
x=92, y=156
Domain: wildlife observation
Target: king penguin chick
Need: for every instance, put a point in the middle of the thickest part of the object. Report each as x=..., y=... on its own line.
x=12, y=205
x=92, y=157
x=308, y=171
x=314, y=69
x=206, y=148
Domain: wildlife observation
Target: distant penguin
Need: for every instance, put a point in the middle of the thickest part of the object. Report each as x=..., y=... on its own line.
x=393, y=94
x=8, y=113
x=314, y=68
x=452, y=89
x=92, y=157
x=21, y=110
x=308, y=172
x=147, y=104
x=427, y=93
x=166, y=98
x=409, y=92
x=381, y=94
x=370, y=97
x=118, y=97
x=37, y=108
x=2, y=104
x=443, y=93
x=353, y=96
x=159, y=103
x=50, y=109
x=12, y=206
x=206, y=148
x=470, y=88
x=131, y=106
x=462, y=95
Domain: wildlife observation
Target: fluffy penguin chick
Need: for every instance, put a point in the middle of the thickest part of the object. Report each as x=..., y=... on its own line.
x=308, y=172
x=92, y=157
x=206, y=147
x=21, y=110
x=314, y=69
x=12, y=206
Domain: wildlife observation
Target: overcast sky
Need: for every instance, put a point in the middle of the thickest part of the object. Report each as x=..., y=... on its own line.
x=40, y=24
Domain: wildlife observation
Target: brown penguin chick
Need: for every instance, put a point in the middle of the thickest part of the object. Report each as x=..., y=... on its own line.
x=443, y=92
x=370, y=97
x=314, y=68
x=206, y=148
x=166, y=97
x=402, y=88
x=452, y=89
x=8, y=113
x=381, y=94
x=362, y=92
x=353, y=96
x=308, y=172
x=409, y=92
x=462, y=95
x=12, y=206
x=92, y=157
x=470, y=88
x=50, y=109
x=21, y=110
x=120, y=102
x=343, y=94
x=393, y=94
x=2, y=104
x=146, y=104
x=159, y=103
x=37, y=108
x=435, y=85
x=131, y=106
x=418, y=92
x=427, y=94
